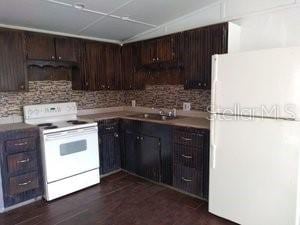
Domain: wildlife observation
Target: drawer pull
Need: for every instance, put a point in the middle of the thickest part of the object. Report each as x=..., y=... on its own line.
x=187, y=156
x=109, y=128
x=186, y=180
x=21, y=144
x=24, y=161
x=24, y=184
x=186, y=139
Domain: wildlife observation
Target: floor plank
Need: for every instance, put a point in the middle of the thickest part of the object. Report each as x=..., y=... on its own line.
x=120, y=199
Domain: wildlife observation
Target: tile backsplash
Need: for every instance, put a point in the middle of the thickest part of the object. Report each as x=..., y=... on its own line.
x=159, y=96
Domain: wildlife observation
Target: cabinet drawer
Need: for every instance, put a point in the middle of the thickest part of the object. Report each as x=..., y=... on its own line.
x=25, y=144
x=22, y=162
x=187, y=156
x=189, y=138
x=23, y=183
x=187, y=179
x=108, y=126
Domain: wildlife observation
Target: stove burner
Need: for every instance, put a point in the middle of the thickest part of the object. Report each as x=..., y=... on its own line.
x=76, y=122
x=45, y=125
x=50, y=127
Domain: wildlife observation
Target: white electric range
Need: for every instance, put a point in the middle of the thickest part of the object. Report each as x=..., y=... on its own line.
x=70, y=152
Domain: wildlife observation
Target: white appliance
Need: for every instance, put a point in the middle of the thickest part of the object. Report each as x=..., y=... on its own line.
x=70, y=152
x=254, y=158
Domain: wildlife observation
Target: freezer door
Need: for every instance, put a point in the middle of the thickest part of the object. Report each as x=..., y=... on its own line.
x=261, y=83
x=254, y=171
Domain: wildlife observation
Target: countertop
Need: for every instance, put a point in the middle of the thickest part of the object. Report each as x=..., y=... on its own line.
x=194, y=122
x=15, y=126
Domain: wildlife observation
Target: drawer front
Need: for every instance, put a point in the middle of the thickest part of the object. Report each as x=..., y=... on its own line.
x=189, y=138
x=108, y=126
x=25, y=144
x=23, y=183
x=22, y=162
x=187, y=179
x=187, y=156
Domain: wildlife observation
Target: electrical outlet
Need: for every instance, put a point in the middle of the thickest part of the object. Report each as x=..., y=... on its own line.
x=133, y=103
x=186, y=106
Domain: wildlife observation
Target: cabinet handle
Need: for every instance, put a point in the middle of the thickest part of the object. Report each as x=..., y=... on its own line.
x=187, y=156
x=199, y=84
x=204, y=84
x=21, y=144
x=24, y=161
x=153, y=59
x=86, y=83
x=157, y=59
x=186, y=180
x=108, y=87
x=186, y=139
x=22, y=87
x=116, y=135
x=52, y=57
x=142, y=138
x=59, y=57
x=138, y=138
x=24, y=184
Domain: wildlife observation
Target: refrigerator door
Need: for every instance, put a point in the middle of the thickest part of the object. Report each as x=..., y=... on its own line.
x=254, y=170
x=260, y=83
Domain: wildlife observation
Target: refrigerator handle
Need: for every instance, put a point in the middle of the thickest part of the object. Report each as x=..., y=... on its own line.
x=213, y=146
x=214, y=82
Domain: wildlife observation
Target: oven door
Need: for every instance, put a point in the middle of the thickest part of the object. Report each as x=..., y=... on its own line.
x=70, y=153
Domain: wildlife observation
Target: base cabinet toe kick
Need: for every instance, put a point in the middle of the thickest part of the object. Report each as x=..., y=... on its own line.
x=166, y=154
x=21, y=180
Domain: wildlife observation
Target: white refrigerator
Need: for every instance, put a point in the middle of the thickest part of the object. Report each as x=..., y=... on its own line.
x=255, y=137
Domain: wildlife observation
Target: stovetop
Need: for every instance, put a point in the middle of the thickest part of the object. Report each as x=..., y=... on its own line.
x=49, y=127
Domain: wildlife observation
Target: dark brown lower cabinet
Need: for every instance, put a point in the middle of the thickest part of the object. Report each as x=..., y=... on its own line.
x=148, y=157
x=21, y=169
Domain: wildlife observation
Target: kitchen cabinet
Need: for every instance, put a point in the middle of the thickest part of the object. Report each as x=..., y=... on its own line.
x=148, y=157
x=113, y=67
x=109, y=146
x=131, y=78
x=191, y=160
x=199, y=47
x=47, y=47
x=20, y=161
x=13, y=74
x=129, y=151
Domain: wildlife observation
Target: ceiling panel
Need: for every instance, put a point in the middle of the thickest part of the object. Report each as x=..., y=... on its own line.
x=111, y=28
x=44, y=15
x=105, y=6
x=158, y=12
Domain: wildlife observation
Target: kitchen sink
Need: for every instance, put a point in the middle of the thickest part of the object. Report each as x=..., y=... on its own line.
x=153, y=116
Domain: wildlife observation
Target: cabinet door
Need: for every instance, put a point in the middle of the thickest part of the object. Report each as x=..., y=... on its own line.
x=127, y=67
x=13, y=73
x=109, y=146
x=129, y=149
x=165, y=49
x=40, y=46
x=113, y=67
x=95, y=64
x=148, y=157
x=66, y=49
x=149, y=52
x=80, y=75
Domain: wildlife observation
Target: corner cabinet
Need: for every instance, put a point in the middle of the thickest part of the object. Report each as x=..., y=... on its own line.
x=13, y=73
x=199, y=47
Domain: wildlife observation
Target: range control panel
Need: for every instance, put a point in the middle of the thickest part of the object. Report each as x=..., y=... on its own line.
x=49, y=110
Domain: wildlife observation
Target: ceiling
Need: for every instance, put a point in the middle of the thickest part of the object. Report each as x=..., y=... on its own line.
x=114, y=20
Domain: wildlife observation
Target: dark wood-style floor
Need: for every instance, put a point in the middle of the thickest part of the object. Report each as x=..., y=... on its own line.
x=121, y=199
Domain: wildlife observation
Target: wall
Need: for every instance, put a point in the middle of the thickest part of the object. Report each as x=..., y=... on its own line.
x=41, y=92
x=158, y=96
x=264, y=23
x=169, y=96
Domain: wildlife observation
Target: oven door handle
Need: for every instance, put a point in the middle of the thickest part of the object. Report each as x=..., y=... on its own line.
x=71, y=133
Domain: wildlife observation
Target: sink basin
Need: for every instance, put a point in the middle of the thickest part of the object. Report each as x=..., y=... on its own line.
x=152, y=116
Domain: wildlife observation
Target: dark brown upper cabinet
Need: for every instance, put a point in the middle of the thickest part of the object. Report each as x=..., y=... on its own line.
x=131, y=78
x=50, y=48
x=13, y=74
x=149, y=52
x=199, y=47
x=66, y=49
x=113, y=67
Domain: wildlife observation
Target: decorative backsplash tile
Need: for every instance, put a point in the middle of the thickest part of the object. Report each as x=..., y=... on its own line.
x=158, y=96
x=169, y=96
